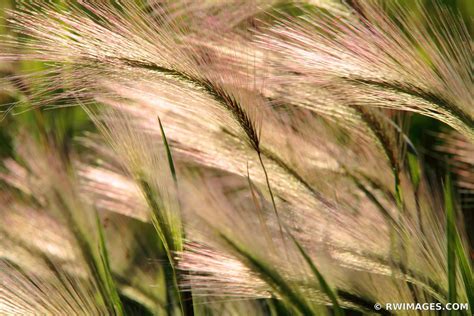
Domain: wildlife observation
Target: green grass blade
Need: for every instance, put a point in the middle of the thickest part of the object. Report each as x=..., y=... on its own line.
x=322, y=282
x=106, y=272
x=166, y=236
x=158, y=219
x=260, y=213
x=91, y=257
x=386, y=214
x=272, y=278
x=455, y=251
x=451, y=239
x=187, y=298
x=466, y=270
x=267, y=180
x=414, y=168
x=168, y=152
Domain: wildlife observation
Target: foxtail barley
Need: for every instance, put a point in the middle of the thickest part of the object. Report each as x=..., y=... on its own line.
x=244, y=158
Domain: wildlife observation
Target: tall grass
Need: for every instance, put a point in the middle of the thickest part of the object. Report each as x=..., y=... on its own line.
x=233, y=158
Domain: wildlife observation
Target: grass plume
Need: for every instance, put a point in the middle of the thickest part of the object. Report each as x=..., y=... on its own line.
x=222, y=157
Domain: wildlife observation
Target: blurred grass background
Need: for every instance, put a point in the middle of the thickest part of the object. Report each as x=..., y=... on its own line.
x=65, y=123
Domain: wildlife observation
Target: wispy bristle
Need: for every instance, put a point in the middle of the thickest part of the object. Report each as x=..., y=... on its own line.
x=240, y=151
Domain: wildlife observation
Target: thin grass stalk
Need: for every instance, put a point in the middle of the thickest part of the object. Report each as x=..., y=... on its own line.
x=272, y=197
x=107, y=272
x=386, y=214
x=108, y=291
x=465, y=269
x=187, y=297
x=274, y=279
x=163, y=234
x=391, y=151
x=168, y=153
x=451, y=240
x=404, y=273
x=260, y=213
x=338, y=311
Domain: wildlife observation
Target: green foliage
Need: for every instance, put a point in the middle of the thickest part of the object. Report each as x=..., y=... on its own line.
x=273, y=278
x=106, y=272
x=458, y=258
x=322, y=282
x=168, y=152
